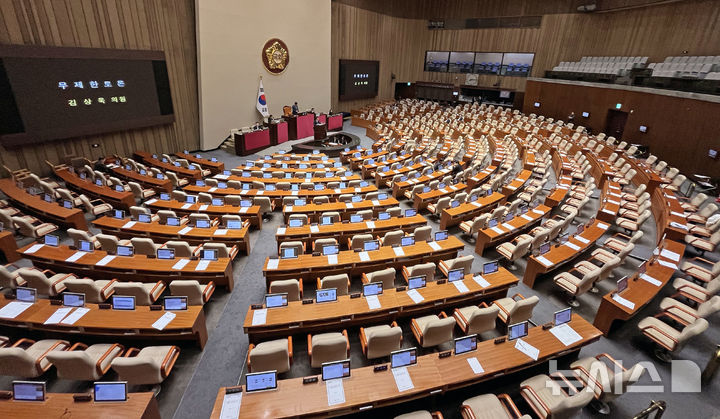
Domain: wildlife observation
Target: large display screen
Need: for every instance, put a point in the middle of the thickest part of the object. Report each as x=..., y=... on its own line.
x=49, y=93
x=358, y=79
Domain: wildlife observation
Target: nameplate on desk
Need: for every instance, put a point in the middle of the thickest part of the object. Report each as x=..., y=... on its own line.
x=398, y=251
x=651, y=280
x=527, y=349
x=281, y=230
x=332, y=259
x=163, y=321
x=573, y=246
x=129, y=224
x=475, y=365
x=668, y=264
x=607, y=211
x=613, y=202
x=77, y=255
x=627, y=303
x=537, y=211
x=104, y=261
x=364, y=256
x=581, y=239
x=544, y=261
x=678, y=214
x=75, y=316
x=461, y=287
x=565, y=334
x=185, y=230
x=443, y=190
x=260, y=192
x=180, y=264
x=402, y=379
x=273, y=263
x=335, y=391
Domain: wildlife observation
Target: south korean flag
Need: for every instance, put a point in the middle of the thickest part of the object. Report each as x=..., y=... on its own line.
x=261, y=103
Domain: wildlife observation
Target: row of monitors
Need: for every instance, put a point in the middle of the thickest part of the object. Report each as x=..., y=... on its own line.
x=267, y=380
x=251, y=163
x=118, y=302
x=354, y=218
x=176, y=221
x=103, y=391
x=165, y=160
x=122, y=250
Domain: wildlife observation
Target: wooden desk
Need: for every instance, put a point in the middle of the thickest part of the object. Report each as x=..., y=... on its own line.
x=432, y=375
x=345, y=156
x=128, y=268
x=299, y=318
x=356, y=162
x=517, y=184
x=610, y=204
x=124, y=199
x=214, y=166
x=490, y=237
x=277, y=195
x=639, y=291
x=294, y=163
x=343, y=231
x=146, y=181
x=313, y=211
x=469, y=210
x=160, y=233
x=168, y=167
x=560, y=255
x=46, y=211
x=381, y=179
x=251, y=142
x=309, y=268
x=291, y=180
x=8, y=246
x=114, y=324
x=368, y=170
x=62, y=405
x=399, y=188
x=252, y=214
x=557, y=196
x=423, y=199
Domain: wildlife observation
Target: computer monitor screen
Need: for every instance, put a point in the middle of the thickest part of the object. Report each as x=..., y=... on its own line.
x=175, y=303
x=47, y=198
x=332, y=249
x=173, y=221
x=403, y=358
x=342, y=185
x=119, y=214
x=441, y=235
x=164, y=196
x=326, y=295
x=622, y=284
x=29, y=391
x=166, y=253
x=416, y=282
x=490, y=267
x=85, y=246
x=426, y=189
x=383, y=216
x=407, y=241
x=334, y=370
x=25, y=294
x=52, y=240
x=299, y=202
x=123, y=302
x=473, y=198
x=99, y=182
x=217, y=202
x=354, y=218
x=562, y=316
x=125, y=250
x=517, y=330
x=294, y=187
x=202, y=223
x=267, y=175
x=465, y=344
x=509, y=216
x=144, y=218
x=296, y=222
x=373, y=288
x=270, y=187
x=111, y=391
x=371, y=245
x=492, y=223
x=234, y=224
x=199, y=183
x=209, y=254
x=67, y=204
x=544, y=248
x=73, y=299
x=456, y=274
x=222, y=185
x=143, y=172
x=356, y=198
x=191, y=199
x=276, y=300
x=364, y=184
x=454, y=204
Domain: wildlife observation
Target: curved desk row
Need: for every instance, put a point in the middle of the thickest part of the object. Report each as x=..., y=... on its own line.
x=470, y=210
x=291, y=180
x=251, y=214
x=313, y=211
x=47, y=211
x=146, y=181
x=277, y=195
x=62, y=405
x=503, y=232
x=399, y=188
x=124, y=199
x=214, y=166
x=184, y=172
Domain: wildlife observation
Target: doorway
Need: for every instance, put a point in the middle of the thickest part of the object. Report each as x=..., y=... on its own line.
x=615, y=124
x=404, y=90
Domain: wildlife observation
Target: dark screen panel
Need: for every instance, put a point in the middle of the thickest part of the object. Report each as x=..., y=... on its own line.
x=358, y=79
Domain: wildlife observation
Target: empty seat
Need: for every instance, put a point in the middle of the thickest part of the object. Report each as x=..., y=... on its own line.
x=669, y=339
x=422, y=269
x=146, y=366
x=433, y=330
x=145, y=294
x=386, y=276
x=460, y=262
x=490, y=406
x=38, y=279
x=341, y=282
x=196, y=293
x=328, y=347
x=548, y=399
x=27, y=358
x=96, y=291
x=476, y=320
x=380, y=341
x=85, y=363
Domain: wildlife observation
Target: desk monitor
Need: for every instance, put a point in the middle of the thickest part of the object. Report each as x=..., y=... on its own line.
x=296, y=222
x=52, y=240
x=382, y=196
x=518, y=330
x=172, y=221
x=270, y=187
x=383, y=216
x=249, y=163
x=331, y=249
x=371, y=245
x=289, y=253
x=25, y=294
x=348, y=173
x=287, y=175
x=199, y=183
x=245, y=173
x=302, y=166
x=267, y=175
x=164, y=196
x=299, y=202
x=144, y=218
x=335, y=370
x=110, y=391
x=326, y=295
x=523, y=209
x=441, y=235
x=544, y=248
x=356, y=198
x=266, y=165
x=456, y=274
x=143, y=172
x=426, y=189
x=67, y=204
x=562, y=316
x=123, y=302
x=118, y=214
x=85, y=246
x=191, y=199
x=84, y=176
x=212, y=159
x=166, y=253
x=407, y=241
x=454, y=204
x=410, y=212
x=489, y=192
x=492, y=222
x=29, y=391
x=326, y=220
x=294, y=187
x=276, y=300
x=509, y=216
x=202, y=223
x=73, y=299
x=354, y=218
x=160, y=176
x=465, y=344
x=175, y=302
x=234, y=224
x=98, y=182
x=218, y=202
x=222, y=185
x=403, y=358
x=490, y=267
x=342, y=185
x=319, y=186
x=209, y=254
x=227, y=172
x=48, y=198
x=372, y=288
x=369, y=161
x=416, y=282
x=622, y=284
x=364, y=184
x=124, y=250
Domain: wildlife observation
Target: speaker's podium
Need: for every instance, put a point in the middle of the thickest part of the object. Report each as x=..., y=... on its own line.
x=278, y=132
x=320, y=131
x=250, y=142
x=300, y=126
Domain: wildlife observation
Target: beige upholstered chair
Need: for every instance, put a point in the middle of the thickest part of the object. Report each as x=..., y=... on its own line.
x=669, y=339
x=340, y=281
x=702, y=244
x=386, y=276
x=464, y=262
x=702, y=273
x=36, y=231
x=136, y=211
x=38, y=279
x=145, y=294
x=301, y=217
x=608, y=383
x=420, y=414
x=27, y=358
x=196, y=293
x=150, y=365
x=96, y=206
x=10, y=279
x=380, y=341
x=328, y=347
x=433, y=330
x=476, y=320
x=144, y=246
x=85, y=363
x=272, y=355
x=77, y=235
x=427, y=269
x=96, y=291
x=490, y=406
x=616, y=244
x=513, y=310
x=516, y=249
x=222, y=250
x=357, y=241
x=391, y=238
x=292, y=287
x=437, y=208
x=550, y=400
x=178, y=195
x=576, y=286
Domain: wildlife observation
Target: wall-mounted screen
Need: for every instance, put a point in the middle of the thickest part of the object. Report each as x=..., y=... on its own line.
x=358, y=79
x=50, y=93
x=437, y=60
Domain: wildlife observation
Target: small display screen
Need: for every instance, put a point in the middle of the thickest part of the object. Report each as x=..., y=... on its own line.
x=330, y=250
x=67, y=204
x=246, y=203
x=441, y=235
x=125, y=250
x=490, y=267
x=407, y=241
x=144, y=218
x=276, y=300
x=326, y=295
x=52, y=240
x=299, y=202
x=209, y=254
x=356, y=198
x=202, y=223
x=164, y=197
x=86, y=246
x=373, y=288
x=33, y=391
x=517, y=330
x=175, y=303
x=234, y=224
x=544, y=248
x=454, y=204
x=289, y=253
x=166, y=253
x=356, y=218
x=72, y=299
x=123, y=302
x=371, y=245
x=456, y=274
x=416, y=282
x=562, y=316
x=119, y=214
x=403, y=358
x=325, y=220
x=335, y=370
x=26, y=295
x=110, y=391
x=191, y=199
x=465, y=344
x=217, y=202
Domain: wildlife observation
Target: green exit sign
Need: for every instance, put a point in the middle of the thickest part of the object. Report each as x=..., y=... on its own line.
x=618, y=105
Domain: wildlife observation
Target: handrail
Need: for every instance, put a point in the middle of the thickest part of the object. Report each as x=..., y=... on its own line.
x=657, y=407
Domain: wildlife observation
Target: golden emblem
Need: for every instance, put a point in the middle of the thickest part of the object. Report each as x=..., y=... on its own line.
x=275, y=56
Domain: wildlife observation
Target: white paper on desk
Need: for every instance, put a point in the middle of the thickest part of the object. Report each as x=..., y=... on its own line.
x=58, y=315
x=607, y=211
x=678, y=225
x=203, y=207
x=104, y=261
x=544, y=261
x=651, y=280
x=373, y=302
x=668, y=264
x=582, y=239
x=202, y=265
x=376, y=202
x=370, y=224
x=34, y=248
x=243, y=210
x=75, y=316
x=259, y=317
x=507, y=226
x=402, y=379
x=476, y=203
x=415, y=296
x=332, y=260
x=436, y=247
x=475, y=365
x=213, y=189
x=461, y=287
x=77, y=255
x=565, y=334
x=348, y=205
x=679, y=214
x=150, y=201
x=281, y=230
x=364, y=257
x=527, y=349
x=163, y=321
x=338, y=190
x=180, y=264
x=129, y=224
x=527, y=217
x=261, y=192
x=537, y=211
x=481, y=281
x=399, y=251
x=443, y=190
x=613, y=202
x=314, y=229
x=185, y=230
x=231, y=406
x=670, y=255
x=573, y=246
x=358, y=190
x=13, y=309
x=603, y=226
x=273, y=263
x=627, y=303
x=335, y=391
x=186, y=206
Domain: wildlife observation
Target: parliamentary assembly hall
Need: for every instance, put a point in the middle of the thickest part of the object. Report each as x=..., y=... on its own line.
x=402, y=209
